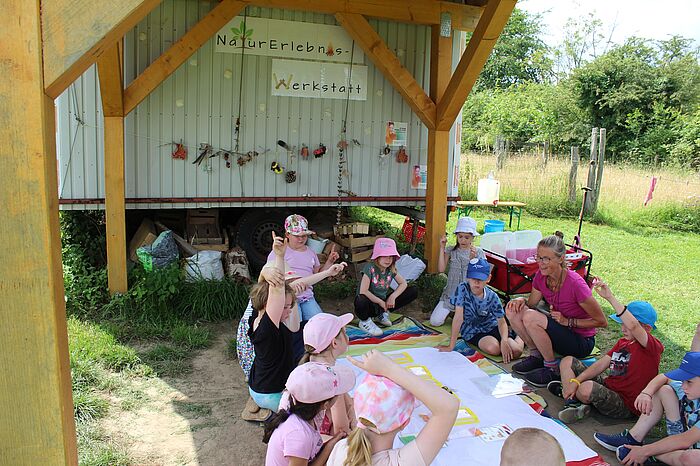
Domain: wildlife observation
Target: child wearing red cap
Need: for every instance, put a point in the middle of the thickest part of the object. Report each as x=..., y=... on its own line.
x=374, y=297
x=384, y=401
x=292, y=434
x=324, y=341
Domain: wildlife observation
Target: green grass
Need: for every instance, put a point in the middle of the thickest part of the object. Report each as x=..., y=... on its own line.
x=167, y=360
x=340, y=289
x=192, y=410
x=659, y=266
x=95, y=448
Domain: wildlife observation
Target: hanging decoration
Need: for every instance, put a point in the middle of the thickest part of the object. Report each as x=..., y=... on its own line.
x=276, y=168
x=342, y=144
x=356, y=142
x=205, y=151
x=386, y=150
x=304, y=152
x=320, y=151
x=290, y=176
x=286, y=146
x=401, y=155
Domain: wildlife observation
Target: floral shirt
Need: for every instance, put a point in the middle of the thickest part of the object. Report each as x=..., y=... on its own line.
x=379, y=282
x=480, y=314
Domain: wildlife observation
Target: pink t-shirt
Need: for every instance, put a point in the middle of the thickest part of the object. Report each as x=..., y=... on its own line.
x=294, y=437
x=303, y=263
x=408, y=455
x=568, y=299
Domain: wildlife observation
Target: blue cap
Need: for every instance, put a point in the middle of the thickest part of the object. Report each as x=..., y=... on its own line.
x=642, y=311
x=689, y=368
x=479, y=269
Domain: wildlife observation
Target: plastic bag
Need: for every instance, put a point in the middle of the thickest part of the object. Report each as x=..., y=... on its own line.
x=161, y=253
x=205, y=265
x=409, y=268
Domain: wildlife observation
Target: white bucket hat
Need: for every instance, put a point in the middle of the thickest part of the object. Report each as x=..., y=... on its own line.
x=466, y=225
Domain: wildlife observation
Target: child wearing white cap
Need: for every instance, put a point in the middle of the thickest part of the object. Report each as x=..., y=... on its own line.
x=457, y=257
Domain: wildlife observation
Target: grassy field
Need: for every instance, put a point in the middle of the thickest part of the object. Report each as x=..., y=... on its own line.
x=661, y=268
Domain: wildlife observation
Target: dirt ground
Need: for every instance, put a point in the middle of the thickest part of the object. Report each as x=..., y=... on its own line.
x=195, y=419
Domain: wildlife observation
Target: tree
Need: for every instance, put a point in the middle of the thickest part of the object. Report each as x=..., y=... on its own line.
x=519, y=55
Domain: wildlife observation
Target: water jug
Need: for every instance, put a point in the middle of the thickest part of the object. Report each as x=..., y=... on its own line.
x=488, y=189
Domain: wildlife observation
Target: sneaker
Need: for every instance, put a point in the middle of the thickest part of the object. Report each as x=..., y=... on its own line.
x=613, y=441
x=527, y=365
x=574, y=413
x=541, y=377
x=384, y=319
x=623, y=451
x=370, y=327
x=555, y=388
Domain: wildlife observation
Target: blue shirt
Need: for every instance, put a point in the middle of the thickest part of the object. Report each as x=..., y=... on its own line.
x=480, y=314
x=690, y=409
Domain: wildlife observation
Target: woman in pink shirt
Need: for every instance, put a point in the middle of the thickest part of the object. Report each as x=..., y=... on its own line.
x=570, y=327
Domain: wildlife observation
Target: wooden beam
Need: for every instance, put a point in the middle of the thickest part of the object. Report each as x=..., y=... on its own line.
x=115, y=205
x=76, y=32
x=438, y=151
x=385, y=60
x=110, y=71
x=180, y=51
x=464, y=17
x=36, y=425
x=492, y=22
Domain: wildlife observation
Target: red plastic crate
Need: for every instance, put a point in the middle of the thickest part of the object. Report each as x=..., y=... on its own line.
x=407, y=229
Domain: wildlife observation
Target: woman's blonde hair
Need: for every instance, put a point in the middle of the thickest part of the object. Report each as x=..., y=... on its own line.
x=359, y=449
x=309, y=350
x=554, y=242
x=260, y=291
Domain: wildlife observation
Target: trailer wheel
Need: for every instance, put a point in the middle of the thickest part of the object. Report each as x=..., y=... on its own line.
x=255, y=229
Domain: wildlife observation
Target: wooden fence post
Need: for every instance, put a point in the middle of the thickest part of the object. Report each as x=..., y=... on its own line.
x=599, y=168
x=588, y=206
x=545, y=153
x=501, y=151
x=573, y=173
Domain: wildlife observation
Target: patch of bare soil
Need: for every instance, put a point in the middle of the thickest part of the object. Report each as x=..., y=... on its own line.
x=194, y=419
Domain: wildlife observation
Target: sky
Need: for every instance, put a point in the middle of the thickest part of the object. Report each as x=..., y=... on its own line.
x=643, y=18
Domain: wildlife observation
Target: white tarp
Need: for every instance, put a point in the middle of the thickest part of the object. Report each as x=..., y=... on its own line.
x=459, y=374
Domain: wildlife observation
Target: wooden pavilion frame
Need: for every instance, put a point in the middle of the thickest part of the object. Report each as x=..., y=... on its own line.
x=48, y=44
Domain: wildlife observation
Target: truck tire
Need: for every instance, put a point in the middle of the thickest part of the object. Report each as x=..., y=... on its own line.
x=254, y=235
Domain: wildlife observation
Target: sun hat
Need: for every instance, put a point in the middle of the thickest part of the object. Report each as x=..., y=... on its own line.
x=381, y=405
x=322, y=328
x=689, y=368
x=289, y=273
x=466, y=225
x=313, y=382
x=479, y=269
x=384, y=247
x=297, y=225
x=642, y=311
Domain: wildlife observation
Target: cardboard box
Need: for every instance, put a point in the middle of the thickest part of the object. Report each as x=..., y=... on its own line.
x=145, y=235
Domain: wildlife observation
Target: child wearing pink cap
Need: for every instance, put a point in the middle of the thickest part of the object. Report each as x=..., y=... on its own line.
x=375, y=297
x=384, y=401
x=324, y=341
x=292, y=435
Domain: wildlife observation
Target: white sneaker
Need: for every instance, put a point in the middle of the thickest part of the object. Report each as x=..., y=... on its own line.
x=384, y=319
x=370, y=327
x=439, y=315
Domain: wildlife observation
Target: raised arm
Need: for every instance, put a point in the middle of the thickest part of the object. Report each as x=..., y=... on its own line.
x=441, y=403
x=627, y=318
x=444, y=256
x=275, y=298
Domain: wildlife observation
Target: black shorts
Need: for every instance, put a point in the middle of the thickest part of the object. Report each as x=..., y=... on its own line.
x=493, y=333
x=568, y=343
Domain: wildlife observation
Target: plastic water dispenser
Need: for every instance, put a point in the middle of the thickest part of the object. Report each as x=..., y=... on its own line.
x=488, y=189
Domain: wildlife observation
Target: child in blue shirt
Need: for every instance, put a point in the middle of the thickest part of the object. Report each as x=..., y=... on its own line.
x=479, y=316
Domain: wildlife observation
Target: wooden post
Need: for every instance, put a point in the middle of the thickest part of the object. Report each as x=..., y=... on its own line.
x=545, y=153
x=588, y=205
x=572, y=174
x=501, y=151
x=110, y=70
x=599, y=171
x=36, y=406
x=438, y=151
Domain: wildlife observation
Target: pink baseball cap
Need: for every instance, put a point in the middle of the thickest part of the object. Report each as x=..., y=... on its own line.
x=384, y=247
x=381, y=405
x=322, y=328
x=313, y=382
x=297, y=225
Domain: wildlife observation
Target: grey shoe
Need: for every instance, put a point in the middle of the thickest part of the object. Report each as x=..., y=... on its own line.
x=573, y=414
x=384, y=320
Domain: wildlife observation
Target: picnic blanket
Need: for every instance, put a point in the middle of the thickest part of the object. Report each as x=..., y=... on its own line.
x=405, y=332
x=466, y=379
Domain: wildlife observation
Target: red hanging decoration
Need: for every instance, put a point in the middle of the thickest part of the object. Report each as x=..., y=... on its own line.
x=401, y=155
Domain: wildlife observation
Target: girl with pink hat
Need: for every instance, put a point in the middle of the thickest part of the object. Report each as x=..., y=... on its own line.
x=384, y=401
x=292, y=435
x=375, y=298
x=324, y=341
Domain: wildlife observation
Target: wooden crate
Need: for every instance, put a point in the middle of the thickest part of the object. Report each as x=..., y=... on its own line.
x=353, y=242
x=223, y=247
x=203, y=228
x=355, y=228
